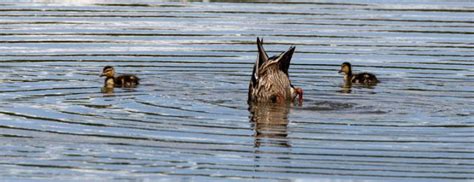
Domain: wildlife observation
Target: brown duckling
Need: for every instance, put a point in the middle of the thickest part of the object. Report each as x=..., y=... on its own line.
x=360, y=78
x=124, y=81
x=270, y=79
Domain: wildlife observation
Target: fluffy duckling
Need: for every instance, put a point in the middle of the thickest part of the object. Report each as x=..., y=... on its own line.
x=270, y=79
x=360, y=78
x=124, y=81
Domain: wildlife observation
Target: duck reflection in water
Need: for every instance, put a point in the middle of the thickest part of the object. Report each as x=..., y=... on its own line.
x=107, y=91
x=270, y=95
x=270, y=123
x=346, y=87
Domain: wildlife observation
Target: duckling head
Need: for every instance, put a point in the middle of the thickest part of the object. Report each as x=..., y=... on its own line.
x=346, y=68
x=108, y=72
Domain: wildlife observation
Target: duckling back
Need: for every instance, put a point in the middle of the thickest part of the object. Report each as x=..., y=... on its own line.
x=365, y=78
x=127, y=81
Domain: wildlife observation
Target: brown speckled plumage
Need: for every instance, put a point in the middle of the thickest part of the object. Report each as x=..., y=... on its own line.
x=360, y=78
x=124, y=81
x=270, y=79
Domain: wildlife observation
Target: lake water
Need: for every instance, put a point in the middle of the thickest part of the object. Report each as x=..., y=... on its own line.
x=189, y=120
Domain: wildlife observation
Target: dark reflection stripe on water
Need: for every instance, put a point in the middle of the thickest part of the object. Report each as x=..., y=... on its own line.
x=189, y=120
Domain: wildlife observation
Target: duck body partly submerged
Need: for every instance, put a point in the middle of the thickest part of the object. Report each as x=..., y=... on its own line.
x=124, y=81
x=358, y=78
x=270, y=79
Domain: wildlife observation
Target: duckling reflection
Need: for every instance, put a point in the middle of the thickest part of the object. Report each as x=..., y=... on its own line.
x=107, y=90
x=270, y=122
x=346, y=87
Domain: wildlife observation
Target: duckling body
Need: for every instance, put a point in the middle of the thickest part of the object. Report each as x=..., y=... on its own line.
x=124, y=81
x=359, y=78
x=270, y=79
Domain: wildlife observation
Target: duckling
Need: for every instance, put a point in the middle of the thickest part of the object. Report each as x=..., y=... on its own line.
x=361, y=78
x=270, y=79
x=124, y=81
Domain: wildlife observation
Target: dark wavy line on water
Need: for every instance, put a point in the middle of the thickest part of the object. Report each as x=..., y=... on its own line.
x=381, y=162
x=398, y=150
x=41, y=165
x=42, y=22
x=122, y=55
x=114, y=35
x=467, y=46
x=423, y=10
x=14, y=136
x=220, y=11
x=167, y=130
x=252, y=169
x=115, y=55
x=355, y=24
x=55, y=9
x=214, y=63
x=45, y=89
x=424, y=31
x=109, y=16
x=334, y=168
x=145, y=138
x=341, y=170
x=30, y=97
x=393, y=125
x=309, y=157
x=344, y=174
x=201, y=17
x=171, y=107
x=398, y=141
x=230, y=1
x=180, y=35
x=266, y=13
x=48, y=119
x=174, y=141
x=250, y=154
x=56, y=41
x=178, y=123
x=212, y=175
x=171, y=35
x=147, y=16
x=402, y=20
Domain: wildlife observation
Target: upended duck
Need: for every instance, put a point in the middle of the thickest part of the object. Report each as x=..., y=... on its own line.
x=124, y=81
x=360, y=78
x=270, y=81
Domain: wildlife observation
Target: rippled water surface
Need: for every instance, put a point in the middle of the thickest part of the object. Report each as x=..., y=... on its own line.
x=189, y=119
